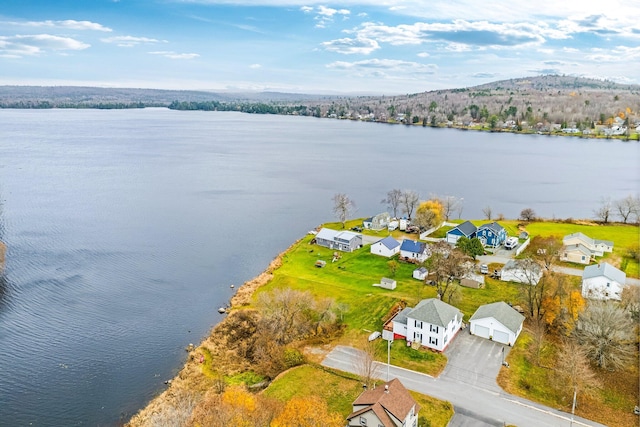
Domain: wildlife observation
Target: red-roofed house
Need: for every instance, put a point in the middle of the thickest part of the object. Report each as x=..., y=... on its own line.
x=388, y=405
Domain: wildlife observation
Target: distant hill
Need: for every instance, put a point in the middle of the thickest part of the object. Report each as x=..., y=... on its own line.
x=570, y=101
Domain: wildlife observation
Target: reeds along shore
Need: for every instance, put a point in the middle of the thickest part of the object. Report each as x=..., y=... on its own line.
x=190, y=380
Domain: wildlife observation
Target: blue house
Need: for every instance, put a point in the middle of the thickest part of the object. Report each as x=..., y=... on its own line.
x=466, y=229
x=491, y=234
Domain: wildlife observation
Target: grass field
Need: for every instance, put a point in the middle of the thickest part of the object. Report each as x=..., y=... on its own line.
x=340, y=390
x=611, y=403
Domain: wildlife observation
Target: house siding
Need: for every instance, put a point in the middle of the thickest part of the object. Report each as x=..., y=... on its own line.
x=494, y=325
x=601, y=288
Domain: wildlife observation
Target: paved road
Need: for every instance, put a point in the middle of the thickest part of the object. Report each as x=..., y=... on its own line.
x=487, y=259
x=476, y=403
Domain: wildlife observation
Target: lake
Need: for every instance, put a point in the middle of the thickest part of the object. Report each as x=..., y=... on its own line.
x=126, y=228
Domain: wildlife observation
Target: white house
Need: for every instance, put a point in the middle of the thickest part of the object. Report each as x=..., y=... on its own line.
x=603, y=281
x=521, y=271
x=432, y=323
x=345, y=241
x=414, y=250
x=577, y=253
x=387, y=247
x=388, y=405
x=497, y=321
x=420, y=273
x=597, y=247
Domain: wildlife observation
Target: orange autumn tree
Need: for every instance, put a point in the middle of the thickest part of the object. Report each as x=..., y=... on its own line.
x=307, y=411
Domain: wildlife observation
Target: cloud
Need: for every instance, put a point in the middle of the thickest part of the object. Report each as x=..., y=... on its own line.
x=325, y=15
x=423, y=55
x=350, y=46
x=25, y=45
x=174, y=55
x=130, y=41
x=545, y=71
x=601, y=25
x=255, y=66
x=479, y=34
x=385, y=68
x=617, y=54
x=485, y=75
x=66, y=24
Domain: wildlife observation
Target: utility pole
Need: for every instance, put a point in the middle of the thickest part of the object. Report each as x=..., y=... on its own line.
x=573, y=407
x=388, y=356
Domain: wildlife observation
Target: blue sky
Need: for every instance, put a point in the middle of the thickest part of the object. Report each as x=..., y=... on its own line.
x=355, y=46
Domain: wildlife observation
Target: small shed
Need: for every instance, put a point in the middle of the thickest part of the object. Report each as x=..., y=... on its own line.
x=387, y=283
x=420, y=273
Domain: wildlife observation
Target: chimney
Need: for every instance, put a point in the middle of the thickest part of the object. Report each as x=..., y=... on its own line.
x=386, y=388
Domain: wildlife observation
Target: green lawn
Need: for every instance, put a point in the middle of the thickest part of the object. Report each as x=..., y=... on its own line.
x=340, y=390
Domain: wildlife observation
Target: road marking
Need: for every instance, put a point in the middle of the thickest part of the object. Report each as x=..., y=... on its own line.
x=547, y=412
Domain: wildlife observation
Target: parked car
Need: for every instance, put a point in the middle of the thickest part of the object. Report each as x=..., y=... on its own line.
x=511, y=243
x=484, y=269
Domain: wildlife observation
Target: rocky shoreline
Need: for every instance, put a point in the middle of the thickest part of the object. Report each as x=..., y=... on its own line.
x=191, y=380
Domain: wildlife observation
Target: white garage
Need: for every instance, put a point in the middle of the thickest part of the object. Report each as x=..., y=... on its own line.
x=497, y=321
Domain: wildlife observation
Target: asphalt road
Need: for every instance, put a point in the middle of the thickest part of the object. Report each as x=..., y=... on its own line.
x=476, y=403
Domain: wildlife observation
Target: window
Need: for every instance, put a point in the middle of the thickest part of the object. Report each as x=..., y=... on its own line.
x=433, y=340
x=363, y=421
x=433, y=328
x=418, y=324
x=608, y=284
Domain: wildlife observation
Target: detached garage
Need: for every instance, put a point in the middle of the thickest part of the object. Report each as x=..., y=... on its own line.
x=497, y=321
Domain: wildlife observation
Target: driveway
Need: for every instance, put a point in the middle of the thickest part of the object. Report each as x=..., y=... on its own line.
x=475, y=405
x=475, y=361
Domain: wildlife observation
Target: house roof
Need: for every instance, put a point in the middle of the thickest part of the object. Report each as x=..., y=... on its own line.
x=422, y=270
x=389, y=242
x=587, y=239
x=413, y=246
x=466, y=228
x=512, y=264
x=606, y=270
x=346, y=235
x=578, y=247
x=493, y=226
x=402, y=316
x=434, y=311
x=502, y=312
x=326, y=234
x=389, y=398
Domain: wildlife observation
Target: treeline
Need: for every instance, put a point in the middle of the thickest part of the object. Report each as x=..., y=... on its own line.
x=245, y=107
x=43, y=105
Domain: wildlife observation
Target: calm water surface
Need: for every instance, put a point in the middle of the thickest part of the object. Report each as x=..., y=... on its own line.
x=125, y=228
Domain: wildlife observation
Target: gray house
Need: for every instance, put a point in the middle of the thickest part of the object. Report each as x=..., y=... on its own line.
x=345, y=241
x=498, y=322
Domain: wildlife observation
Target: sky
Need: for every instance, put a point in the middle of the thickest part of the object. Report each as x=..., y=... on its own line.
x=380, y=47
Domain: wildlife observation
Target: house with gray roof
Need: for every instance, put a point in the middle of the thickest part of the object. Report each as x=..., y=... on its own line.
x=603, y=281
x=498, y=322
x=388, y=405
x=432, y=323
x=596, y=246
x=521, y=271
x=387, y=247
x=466, y=229
x=345, y=241
x=377, y=222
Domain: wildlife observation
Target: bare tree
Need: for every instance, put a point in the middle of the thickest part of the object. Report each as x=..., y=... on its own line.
x=409, y=201
x=283, y=314
x=606, y=331
x=631, y=301
x=393, y=201
x=545, y=250
x=343, y=206
x=604, y=211
x=574, y=372
x=448, y=267
x=450, y=204
x=534, y=288
x=527, y=214
x=366, y=366
x=538, y=338
x=488, y=212
x=628, y=208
